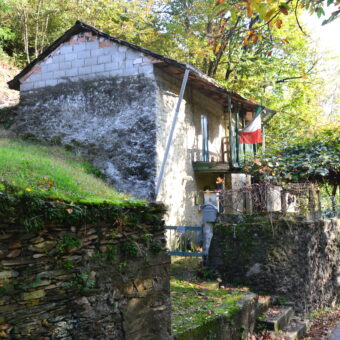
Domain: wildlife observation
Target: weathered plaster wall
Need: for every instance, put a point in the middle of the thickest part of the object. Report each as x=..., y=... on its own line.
x=101, y=276
x=177, y=191
x=110, y=122
x=289, y=257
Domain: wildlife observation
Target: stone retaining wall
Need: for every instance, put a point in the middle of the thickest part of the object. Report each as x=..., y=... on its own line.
x=296, y=259
x=101, y=276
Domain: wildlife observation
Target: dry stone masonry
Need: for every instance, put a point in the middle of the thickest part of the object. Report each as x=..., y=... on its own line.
x=86, y=273
x=289, y=257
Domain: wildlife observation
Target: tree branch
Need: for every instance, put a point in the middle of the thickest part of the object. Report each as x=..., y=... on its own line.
x=296, y=77
x=286, y=79
x=297, y=19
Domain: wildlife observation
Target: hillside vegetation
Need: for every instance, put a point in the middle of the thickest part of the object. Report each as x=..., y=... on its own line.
x=7, y=72
x=52, y=173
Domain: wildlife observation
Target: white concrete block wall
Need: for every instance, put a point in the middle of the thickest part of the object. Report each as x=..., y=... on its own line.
x=85, y=57
x=177, y=190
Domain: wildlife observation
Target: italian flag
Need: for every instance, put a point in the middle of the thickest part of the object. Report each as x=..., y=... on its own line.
x=251, y=134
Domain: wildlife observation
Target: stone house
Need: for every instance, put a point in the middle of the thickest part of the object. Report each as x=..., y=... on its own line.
x=114, y=102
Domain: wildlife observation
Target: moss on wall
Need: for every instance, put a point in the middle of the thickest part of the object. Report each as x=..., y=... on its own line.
x=82, y=271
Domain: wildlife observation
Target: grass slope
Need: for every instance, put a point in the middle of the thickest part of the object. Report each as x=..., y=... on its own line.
x=196, y=302
x=53, y=173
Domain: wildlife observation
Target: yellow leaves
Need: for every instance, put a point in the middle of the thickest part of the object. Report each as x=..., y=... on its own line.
x=28, y=189
x=223, y=22
x=218, y=35
x=269, y=14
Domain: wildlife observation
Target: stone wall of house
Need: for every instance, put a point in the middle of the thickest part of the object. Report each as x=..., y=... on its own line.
x=178, y=190
x=96, y=98
x=88, y=272
x=289, y=257
x=110, y=122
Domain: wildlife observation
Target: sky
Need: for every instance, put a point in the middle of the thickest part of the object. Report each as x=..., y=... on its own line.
x=328, y=44
x=327, y=37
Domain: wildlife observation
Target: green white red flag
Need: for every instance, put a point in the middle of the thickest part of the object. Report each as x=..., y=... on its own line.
x=252, y=134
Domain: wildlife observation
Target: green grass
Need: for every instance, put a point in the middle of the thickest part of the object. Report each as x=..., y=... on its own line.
x=52, y=173
x=194, y=304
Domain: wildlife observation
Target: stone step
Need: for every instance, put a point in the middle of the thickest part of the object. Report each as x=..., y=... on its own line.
x=263, y=304
x=276, y=318
x=294, y=331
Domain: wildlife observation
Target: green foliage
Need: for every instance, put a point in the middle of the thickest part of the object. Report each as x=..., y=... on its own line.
x=112, y=252
x=121, y=266
x=248, y=54
x=68, y=264
x=32, y=224
x=275, y=11
x=68, y=242
x=156, y=247
x=6, y=288
x=315, y=159
x=92, y=170
x=82, y=281
x=37, y=23
x=130, y=249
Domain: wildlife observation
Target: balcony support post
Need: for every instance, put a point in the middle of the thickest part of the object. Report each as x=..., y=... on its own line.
x=237, y=109
x=231, y=158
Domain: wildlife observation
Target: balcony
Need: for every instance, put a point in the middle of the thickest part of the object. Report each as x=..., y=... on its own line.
x=207, y=161
x=211, y=162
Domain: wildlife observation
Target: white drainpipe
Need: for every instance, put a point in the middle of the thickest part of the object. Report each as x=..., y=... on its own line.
x=172, y=130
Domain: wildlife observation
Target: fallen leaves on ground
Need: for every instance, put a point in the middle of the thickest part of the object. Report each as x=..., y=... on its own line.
x=323, y=324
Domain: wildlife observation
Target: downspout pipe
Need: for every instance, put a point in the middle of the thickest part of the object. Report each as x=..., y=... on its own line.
x=172, y=130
